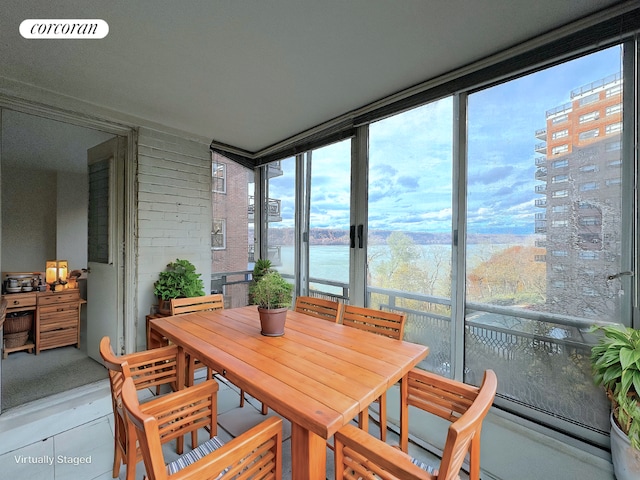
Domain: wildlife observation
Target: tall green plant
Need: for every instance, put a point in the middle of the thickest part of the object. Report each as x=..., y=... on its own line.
x=615, y=361
x=179, y=280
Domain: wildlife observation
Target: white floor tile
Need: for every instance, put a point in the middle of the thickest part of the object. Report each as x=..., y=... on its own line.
x=85, y=451
x=35, y=462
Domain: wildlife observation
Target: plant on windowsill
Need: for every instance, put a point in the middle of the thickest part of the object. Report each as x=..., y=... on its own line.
x=273, y=295
x=177, y=281
x=615, y=362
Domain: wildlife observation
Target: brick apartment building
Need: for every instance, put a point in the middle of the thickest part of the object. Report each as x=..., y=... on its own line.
x=580, y=197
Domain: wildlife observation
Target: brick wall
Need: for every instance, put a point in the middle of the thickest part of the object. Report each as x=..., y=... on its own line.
x=174, y=211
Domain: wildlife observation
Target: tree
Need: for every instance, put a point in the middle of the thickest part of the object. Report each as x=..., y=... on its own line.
x=509, y=277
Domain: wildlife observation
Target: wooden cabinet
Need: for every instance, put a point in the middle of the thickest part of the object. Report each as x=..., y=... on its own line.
x=58, y=319
x=17, y=303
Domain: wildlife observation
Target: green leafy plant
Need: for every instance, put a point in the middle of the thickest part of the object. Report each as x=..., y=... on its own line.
x=615, y=362
x=179, y=280
x=271, y=291
x=261, y=267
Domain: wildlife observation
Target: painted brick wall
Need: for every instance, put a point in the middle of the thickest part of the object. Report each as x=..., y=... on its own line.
x=174, y=211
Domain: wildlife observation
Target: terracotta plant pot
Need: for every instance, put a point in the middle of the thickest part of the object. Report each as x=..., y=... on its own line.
x=272, y=321
x=164, y=307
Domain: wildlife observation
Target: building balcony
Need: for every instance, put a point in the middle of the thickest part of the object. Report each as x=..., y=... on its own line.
x=541, y=202
x=559, y=110
x=541, y=188
x=541, y=134
x=273, y=209
x=541, y=161
x=275, y=169
x=606, y=82
x=541, y=173
x=541, y=148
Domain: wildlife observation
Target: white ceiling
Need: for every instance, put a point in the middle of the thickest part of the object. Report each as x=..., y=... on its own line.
x=250, y=73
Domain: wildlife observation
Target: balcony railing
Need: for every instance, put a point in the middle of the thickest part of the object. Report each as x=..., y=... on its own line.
x=611, y=80
x=541, y=134
x=559, y=109
x=541, y=173
x=541, y=148
x=274, y=254
x=273, y=209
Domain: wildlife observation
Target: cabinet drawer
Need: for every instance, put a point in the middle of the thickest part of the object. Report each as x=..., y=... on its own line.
x=58, y=322
x=58, y=297
x=58, y=338
x=63, y=308
x=20, y=300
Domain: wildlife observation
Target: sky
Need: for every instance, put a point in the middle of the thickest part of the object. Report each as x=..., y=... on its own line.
x=410, y=169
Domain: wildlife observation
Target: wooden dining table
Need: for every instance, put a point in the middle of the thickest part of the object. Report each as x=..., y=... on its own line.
x=319, y=375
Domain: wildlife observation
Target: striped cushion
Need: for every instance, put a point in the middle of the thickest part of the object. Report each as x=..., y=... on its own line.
x=194, y=455
x=428, y=468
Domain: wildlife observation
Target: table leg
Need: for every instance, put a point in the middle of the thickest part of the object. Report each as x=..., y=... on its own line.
x=181, y=367
x=308, y=454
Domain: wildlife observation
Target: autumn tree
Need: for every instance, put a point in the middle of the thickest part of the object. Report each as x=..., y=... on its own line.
x=511, y=276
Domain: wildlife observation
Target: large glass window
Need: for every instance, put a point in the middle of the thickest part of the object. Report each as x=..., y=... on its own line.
x=409, y=224
x=527, y=318
x=329, y=219
x=280, y=215
x=231, y=235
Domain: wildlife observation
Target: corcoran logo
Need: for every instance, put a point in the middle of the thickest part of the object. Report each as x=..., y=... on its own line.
x=64, y=29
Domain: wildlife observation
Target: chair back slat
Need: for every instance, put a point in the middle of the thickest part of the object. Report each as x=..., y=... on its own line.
x=438, y=395
x=319, y=307
x=389, y=324
x=197, y=304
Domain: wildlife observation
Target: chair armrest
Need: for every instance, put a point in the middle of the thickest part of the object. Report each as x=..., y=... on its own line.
x=372, y=454
x=150, y=356
x=258, y=448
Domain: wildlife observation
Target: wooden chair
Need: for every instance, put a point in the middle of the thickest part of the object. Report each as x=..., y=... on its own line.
x=389, y=324
x=319, y=307
x=448, y=399
x=196, y=304
x=257, y=453
x=360, y=455
x=147, y=369
x=199, y=304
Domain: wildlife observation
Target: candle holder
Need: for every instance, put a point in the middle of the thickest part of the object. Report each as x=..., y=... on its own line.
x=56, y=274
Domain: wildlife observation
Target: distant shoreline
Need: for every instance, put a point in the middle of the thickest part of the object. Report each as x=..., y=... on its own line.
x=326, y=236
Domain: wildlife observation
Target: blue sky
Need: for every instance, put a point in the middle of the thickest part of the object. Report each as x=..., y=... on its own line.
x=410, y=173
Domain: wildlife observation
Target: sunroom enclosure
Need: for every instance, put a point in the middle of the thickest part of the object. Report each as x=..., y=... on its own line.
x=497, y=210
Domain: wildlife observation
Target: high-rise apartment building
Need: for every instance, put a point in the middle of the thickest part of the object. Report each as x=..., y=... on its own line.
x=580, y=198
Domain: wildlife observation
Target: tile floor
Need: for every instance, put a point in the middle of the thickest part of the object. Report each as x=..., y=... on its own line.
x=77, y=442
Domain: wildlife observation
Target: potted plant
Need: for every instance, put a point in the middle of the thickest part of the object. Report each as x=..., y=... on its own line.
x=178, y=280
x=615, y=361
x=272, y=294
